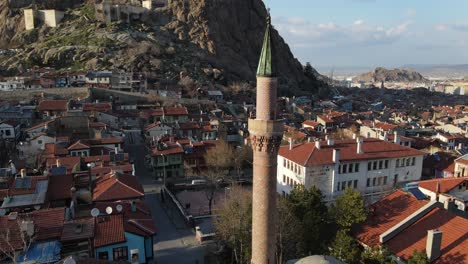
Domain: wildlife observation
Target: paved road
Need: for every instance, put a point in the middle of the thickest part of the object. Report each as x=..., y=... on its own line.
x=175, y=243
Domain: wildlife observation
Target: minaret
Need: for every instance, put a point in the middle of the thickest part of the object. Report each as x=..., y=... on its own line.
x=265, y=133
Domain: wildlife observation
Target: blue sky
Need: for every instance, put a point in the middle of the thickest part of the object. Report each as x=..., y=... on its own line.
x=372, y=33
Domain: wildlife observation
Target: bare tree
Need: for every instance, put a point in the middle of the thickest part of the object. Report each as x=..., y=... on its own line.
x=16, y=239
x=241, y=156
x=289, y=242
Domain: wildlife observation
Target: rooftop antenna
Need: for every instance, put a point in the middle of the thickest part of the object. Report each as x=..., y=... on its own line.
x=109, y=210
x=95, y=212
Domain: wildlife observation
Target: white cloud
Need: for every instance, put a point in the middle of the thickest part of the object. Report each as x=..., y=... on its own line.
x=358, y=22
x=410, y=12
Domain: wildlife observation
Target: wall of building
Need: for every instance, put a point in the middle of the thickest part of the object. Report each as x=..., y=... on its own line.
x=133, y=242
x=29, y=19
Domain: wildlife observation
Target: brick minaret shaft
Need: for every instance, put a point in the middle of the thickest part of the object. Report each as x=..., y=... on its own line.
x=266, y=134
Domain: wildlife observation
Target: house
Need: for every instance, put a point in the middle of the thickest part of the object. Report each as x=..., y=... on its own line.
x=121, y=81
x=79, y=149
x=51, y=108
x=157, y=130
x=25, y=192
x=132, y=235
x=10, y=130
x=167, y=160
x=119, y=119
x=216, y=96
x=40, y=128
x=33, y=147
x=99, y=79
x=21, y=114
x=188, y=129
x=117, y=186
x=313, y=125
x=380, y=130
x=368, y=165
x=461, y=166
x=403, y=223
x=168, y=114
x=447, y=190
x=44, y=225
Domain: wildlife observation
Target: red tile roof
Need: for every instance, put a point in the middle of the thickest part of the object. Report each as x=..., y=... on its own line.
x=100, y=171
x=97, y=107
x=53, y=105
x=454, y=237
x=68, y=162
x=137, y=222
x=109, y=230
x=96, y=124
x=310, y=123
x=117, y=186
x=52, y=149
x=446, y=184
x=307, y=155
x=385, y=214
x=79, y=146
x=385, y=126
x=150, y=126
x=172, y=149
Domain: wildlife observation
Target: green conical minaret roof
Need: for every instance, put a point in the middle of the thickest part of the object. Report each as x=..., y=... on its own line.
x=266, y=67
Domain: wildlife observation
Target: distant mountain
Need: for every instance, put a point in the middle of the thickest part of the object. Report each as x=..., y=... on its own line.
x=440, y=70
x=396, y=75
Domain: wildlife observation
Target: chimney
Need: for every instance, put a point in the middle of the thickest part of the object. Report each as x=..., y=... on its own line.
x=116, y=149
x=317, y=144
x=359, y=142
x=309, y=139
x=433, y=243
x=354, y=135
x=57, y=163
x=330, y=142
x=23, y=173
x=396, y=138
x=291, y=144
x=336, y=155
x=133, y=206
x=326, y=138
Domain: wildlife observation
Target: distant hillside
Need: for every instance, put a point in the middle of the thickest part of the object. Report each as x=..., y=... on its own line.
x=440, y=70
x=395, y=75
x=212, y=41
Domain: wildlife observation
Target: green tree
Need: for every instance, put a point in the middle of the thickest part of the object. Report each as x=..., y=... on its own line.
x=349, y=209
x=311, y=210
x=377, y=255
x=344, y=248
x=418, y=257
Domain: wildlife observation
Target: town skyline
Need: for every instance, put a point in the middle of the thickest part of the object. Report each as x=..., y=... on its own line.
x=410, y=32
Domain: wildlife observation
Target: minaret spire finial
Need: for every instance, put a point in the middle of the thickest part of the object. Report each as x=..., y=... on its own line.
x=266, y=66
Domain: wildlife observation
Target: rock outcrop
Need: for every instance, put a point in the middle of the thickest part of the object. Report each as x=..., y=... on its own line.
x=396, y=75
x=213, y=41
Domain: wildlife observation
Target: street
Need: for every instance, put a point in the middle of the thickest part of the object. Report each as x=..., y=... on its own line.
x=175, y=242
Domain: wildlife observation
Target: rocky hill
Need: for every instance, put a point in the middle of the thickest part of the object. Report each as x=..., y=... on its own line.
x=211, y=41
x=396, y=75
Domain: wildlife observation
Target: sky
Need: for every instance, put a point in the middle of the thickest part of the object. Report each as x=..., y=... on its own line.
x=369, y=33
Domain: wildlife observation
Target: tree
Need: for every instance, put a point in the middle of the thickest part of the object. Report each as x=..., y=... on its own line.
x=344, y=248
x=241, y=156
x=308, y=206
x=308, y=70
x=289, y=229
x=418, y=257
x=234, y=224
x=377, y=255
x=219, y=161
x=14, y=240
x=349, y=209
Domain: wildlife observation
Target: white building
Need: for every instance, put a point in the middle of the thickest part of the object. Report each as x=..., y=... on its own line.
x=9, y=130
x=368, y=165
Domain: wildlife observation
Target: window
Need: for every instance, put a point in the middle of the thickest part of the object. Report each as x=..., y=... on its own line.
x=344, y=168
x=413, y=161
x=374, y=181
x=385, y=180
x=356, y=167
x=343, y=185
x=8, y=132
x=350, y=168
x=284, y=162
x=339, y=169
x=120, y=253
x=386, y=164
x=379, y=181
x=350, y=183
x=355, y=184
x=374, y=166
x=368, y=182
x=39, y=142
x=369, y=166
x=103, y=255
x=338, y=188
x=398, y=163
x=407, y=162
x=284, y=178
x=380, y=164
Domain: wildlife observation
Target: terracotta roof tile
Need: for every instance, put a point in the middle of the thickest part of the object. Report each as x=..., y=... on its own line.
x=307, y=155
x=53, y=105
x=385, y=214
x=117, y=186
x=79, y=146
x=446, y=184
x=109, y=230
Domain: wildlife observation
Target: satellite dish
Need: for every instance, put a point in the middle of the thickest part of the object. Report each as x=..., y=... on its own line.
x=119, y=208
x=95, y=212
x=109, y=210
